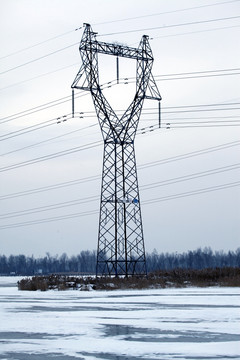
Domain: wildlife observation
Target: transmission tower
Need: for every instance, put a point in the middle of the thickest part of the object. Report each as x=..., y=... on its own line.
x=120, y=238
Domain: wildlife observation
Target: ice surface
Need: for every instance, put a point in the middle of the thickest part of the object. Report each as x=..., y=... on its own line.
x=192, y=323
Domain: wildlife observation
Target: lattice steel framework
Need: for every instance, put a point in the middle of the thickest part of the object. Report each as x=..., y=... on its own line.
x=120, y=239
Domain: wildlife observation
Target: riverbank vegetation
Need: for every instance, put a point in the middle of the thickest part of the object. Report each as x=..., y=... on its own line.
x=226, y=276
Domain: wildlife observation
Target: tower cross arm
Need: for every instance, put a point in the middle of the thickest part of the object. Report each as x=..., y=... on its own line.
x=116, y=50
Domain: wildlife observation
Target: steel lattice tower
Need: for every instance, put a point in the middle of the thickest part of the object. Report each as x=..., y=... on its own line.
x=120, y=239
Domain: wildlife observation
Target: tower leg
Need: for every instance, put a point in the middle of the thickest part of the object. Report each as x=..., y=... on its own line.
x=120, y=239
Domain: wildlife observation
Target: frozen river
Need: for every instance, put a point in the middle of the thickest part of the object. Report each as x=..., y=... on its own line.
x=193, y=323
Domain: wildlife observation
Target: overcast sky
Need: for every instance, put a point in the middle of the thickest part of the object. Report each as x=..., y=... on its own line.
x=188, y=170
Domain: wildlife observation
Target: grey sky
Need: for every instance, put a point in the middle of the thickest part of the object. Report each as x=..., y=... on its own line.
x=211, y=48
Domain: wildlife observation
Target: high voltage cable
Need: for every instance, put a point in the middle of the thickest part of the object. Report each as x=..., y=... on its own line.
x=191, y=176
x=191, y=154
x=51, y=156
x=143, y=166
x=47, y=105
x=144, y=111
x=39, y=43
x=56, y=218
x=171, y=26
x=161, y=76
x=146, y=202
x=47, y=140
x=55, y=155
x=54, y=121
x=195, y=32
x=39, y=76
x=122, y=32
x=39, y=58
x=166, y=12
x=114, y=21
x=143, y=188
x=82, y=93
x=35, y=127
x=194, y=192
x=49, y=207
x=169, y=123
x=196, y=72
x=49, y=187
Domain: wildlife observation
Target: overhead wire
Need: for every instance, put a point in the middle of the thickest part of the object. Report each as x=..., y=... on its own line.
x=142, y=188
x=37, y=59
x=194, y=192
x=167, y=12
x=51, y=156
x=38, y=76
x=82, y=115
x=48, y=219
x=140, y=167
x=146, y=202
x=49, y=187
x=145, y=110
x=122, y=32
x=171, y=26
x=115, y=21
x=174, y=76
x=58, y=154
x=166, y=124
x=48, y=140
x=55, y=206
x=194, y=32
x=40, y=43
x=163, y=77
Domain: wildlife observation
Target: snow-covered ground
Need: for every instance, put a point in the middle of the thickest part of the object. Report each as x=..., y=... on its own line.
x=193, y=323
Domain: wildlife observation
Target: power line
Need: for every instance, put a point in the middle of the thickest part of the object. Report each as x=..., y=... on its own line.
x=47, y=140
x=146, y=202
x=122, y=32
x=47, y=220
x=191, y=176
x=31, y=128
x=168, y=123
x=143, y=166
x=115, y=21
x=195, y=32
x=191, y=154
x=49, y=207
x=171, y=26
x=194, y=192
x=143, y=187
x=166, y=12
x=51, y=156
x=37, y=59
x=40, y=43
x=163, y=77
x=48, y=105
x=53, y=121
x=49, y=187
x=38, y=76
x=58, y=154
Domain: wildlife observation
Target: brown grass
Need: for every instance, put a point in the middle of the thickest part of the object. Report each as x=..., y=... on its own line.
x=228, y=276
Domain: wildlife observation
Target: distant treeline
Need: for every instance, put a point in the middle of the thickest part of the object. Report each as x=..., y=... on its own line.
x=85, y=262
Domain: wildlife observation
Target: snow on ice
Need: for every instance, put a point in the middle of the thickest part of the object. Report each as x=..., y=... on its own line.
x=191, y=323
